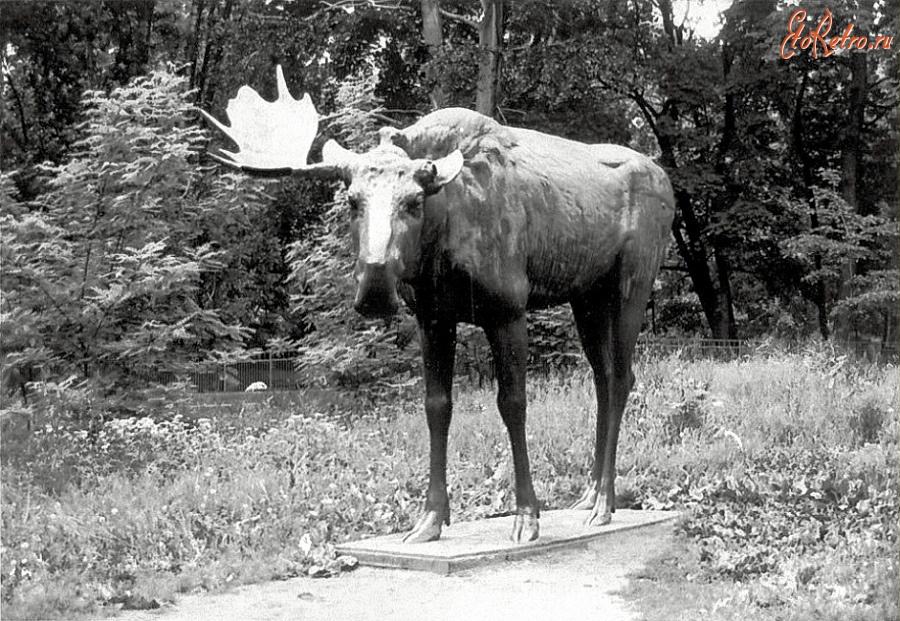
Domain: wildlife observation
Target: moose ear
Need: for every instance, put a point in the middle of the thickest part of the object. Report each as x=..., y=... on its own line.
x=438, y=173
x=392, y=135
x=338, y=157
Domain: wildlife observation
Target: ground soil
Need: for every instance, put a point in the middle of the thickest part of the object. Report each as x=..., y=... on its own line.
x=565, y=584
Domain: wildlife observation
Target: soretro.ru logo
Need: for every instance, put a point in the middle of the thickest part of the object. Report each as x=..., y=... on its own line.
x=818, y=37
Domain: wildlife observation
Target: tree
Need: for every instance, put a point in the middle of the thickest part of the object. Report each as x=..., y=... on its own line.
x=432, y=33
x=53, y=52
x=672, y=85
x=809, y=112
x=481, y=40
x=102, y=273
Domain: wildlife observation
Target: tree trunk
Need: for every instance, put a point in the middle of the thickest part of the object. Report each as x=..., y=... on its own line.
x=728, y=194
x=851, y=156
x=708, y=267
x=689, y=237
x=432, y=33
x=818, y=294
x=714, y=302
x=490, y=35
x=674, y=34
x=726, y=302
x=851, y=147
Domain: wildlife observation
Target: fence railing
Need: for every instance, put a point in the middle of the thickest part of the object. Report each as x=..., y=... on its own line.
x=719, y=349
x=283, y=374
x=264, y=374
x=869, y=350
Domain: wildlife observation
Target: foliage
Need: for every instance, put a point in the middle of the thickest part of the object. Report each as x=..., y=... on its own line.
x=52, y=53
x=102, y=274
x=784, y=476
x=743, y=133
x=840, y=236
x=799, y=518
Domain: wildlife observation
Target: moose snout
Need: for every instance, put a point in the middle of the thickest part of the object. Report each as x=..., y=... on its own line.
x=376, y=293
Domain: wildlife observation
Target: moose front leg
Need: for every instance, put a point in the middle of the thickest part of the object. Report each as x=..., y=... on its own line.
x=509, y=345
x=438, y=352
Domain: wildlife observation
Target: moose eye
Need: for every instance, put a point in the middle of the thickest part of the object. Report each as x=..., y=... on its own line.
x=354, y=205
x=414, y=206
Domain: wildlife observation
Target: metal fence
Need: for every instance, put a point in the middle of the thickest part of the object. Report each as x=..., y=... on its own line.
x=277, y=374
x=283, y=373
x=717, y=349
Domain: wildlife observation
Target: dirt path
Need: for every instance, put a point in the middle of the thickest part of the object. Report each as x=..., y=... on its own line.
x=579, y=583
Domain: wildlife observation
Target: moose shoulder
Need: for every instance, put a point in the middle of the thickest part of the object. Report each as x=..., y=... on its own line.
x=472, y=221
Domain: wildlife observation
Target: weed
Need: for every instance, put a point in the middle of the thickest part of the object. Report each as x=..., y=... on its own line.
x=689, y=412
x=781, y=482
x=867, y=420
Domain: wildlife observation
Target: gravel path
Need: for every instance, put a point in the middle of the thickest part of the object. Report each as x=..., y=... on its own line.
x=569, y=584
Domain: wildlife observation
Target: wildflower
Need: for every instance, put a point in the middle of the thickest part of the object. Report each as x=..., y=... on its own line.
x=24, y=545
x=114, y=511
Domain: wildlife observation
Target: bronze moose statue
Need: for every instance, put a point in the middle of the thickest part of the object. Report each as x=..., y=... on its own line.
x=468, y=220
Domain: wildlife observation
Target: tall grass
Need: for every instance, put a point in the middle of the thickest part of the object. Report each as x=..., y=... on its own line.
x=801, y=448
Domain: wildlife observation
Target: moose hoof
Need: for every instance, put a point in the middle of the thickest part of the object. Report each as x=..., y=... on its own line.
x=599, y=519
x=428, y=528
x=588, y=499
x=525, y=528
x=600, y=516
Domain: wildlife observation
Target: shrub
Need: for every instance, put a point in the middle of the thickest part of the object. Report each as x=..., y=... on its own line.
x=102, y=274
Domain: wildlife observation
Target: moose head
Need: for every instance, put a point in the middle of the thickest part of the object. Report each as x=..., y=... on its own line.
x=386, y=189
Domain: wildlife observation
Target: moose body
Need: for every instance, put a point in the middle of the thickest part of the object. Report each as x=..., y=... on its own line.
x=471, y=221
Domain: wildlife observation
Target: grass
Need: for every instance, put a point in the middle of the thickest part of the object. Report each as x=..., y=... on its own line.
x=785, y=467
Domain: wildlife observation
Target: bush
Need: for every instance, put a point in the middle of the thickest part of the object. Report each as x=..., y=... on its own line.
x=102, y=274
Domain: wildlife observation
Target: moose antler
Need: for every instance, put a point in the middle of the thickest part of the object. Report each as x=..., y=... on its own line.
x=273, y=138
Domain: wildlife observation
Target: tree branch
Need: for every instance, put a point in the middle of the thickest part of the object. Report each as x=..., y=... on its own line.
x=342, y=5
x=650, y=115
x=460, y=18
x=385, y=118
x=21, y=108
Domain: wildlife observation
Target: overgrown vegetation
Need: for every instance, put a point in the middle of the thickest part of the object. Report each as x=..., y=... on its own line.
x=103, y=274
x=785, y=467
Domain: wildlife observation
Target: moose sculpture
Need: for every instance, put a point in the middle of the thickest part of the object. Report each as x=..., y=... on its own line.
x=471, y=221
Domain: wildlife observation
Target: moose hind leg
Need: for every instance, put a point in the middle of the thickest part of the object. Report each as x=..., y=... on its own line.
x=609, y=332
x=509, y=345
x=438, y=350
x=592, y=320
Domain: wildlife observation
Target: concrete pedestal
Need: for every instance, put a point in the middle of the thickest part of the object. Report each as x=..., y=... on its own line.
x=471, y=544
